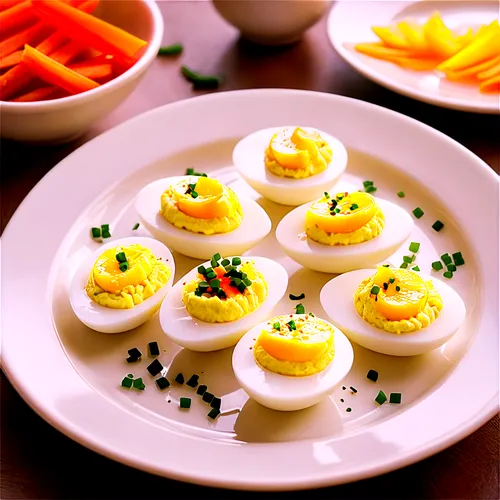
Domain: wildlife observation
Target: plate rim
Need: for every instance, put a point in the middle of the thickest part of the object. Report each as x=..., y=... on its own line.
x=402, y=89
x=488, y=409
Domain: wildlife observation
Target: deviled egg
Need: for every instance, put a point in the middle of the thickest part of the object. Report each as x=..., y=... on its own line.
x=198, y=216
x=393, y=311
x=290, y=165
x=344, y=231
x=292, y=362
x=212, y=306
x=122, y=284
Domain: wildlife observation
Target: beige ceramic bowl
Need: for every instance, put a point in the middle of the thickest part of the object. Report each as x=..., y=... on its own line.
x=62, y=120
x=272, y=22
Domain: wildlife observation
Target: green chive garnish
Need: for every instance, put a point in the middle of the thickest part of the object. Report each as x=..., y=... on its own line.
x=407, y=259
x=395, y=397
x=299, y=309
x=370, y=189
x=367, y=183
x=353, y=206
x=200, y=81
x=96, y=232
x=401, y=194
x=171, y=50
x=437, y=266
x=437, y=226
x=136, y=226
x=215, y=283
x=448, y=274
x=277, y=326
x=105, y=231
x=348, y=410
x=215, y=403
x=236, y=261
x=386, y=265
x=185, y=403
x=138, y=383
x=213, y=413
x=202, y=270
x=121, y=257
x=127, y=383
x=375, y=290
x=398, y=288
x=446, y=258
x=391, y=280
x=372, y=375
x=326, y=195
x=353, y=389
x=193, y=381
x=207, y=397
x=191, y=171
x=458, y=259
x=201, y=390
x=225, y=263
x=418, y=212
x=162, y=383
x=414, y=247
x=179, y=378
x=404, y=265
x=451, y=267
x=217, y=257
x=291, y=325
x=416, y=268
x=104, y=227
x=297, y=297
x=194, y=194
x=124, y=266
x=381, y=398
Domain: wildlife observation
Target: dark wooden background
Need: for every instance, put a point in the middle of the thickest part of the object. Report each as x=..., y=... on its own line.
x=37, y=462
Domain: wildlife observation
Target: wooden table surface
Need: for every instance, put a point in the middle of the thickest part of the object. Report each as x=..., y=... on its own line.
x=37, y=462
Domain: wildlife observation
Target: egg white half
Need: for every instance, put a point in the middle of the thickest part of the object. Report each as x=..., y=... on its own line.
x=337, y=299
x=104, y=319
x=248, y=157
x=281, y=392
x=197, y=335
x=253, y=228
x=291, y=236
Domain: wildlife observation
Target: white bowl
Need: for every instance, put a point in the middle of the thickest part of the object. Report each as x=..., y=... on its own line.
x=64, y=119
x=272, y=22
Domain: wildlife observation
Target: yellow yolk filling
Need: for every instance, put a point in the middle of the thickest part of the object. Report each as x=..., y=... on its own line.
x=202, y=205
x=110, y=287
x=296, y=345
x=344, y=219
x=235, y=306
x=298, y=154
x=406, y=305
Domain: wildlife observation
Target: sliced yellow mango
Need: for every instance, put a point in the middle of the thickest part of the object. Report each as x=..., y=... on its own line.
x=489, y=73
x=440, y=39
x=391, y=37
x=414, y=36
x=380, y=51
x=491, y=85
x=472, y=71
x=416, y=64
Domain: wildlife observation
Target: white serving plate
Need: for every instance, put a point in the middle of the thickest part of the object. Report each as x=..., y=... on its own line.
x=248, y=446
x=350, y=22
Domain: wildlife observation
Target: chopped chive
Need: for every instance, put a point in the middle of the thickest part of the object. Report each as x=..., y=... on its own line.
x=367, y=183
x=401, y=194
x=414, y=246
x=215, y=283
x=105, y=231
x=198, y=293
x=353, y=206
x=194, y=194
x=296, y=297
x=213, y=413
x=353, y=389
x=136, y=226
x=343, y=387
x=312, y=314
x=241, y=287
x=162, y=383
x=446, y=258
x=134, y=353
x=179, y=378
x=372, y=375
x=202, y=270
x=415, y=268
x=137, y=383
x=201, y=390
x=407, y=259
x=105, y=227
x=127, y=383
x=225, y=263
x=155, y=368
x=326, y=194
x=185, y=403
x=277, y=326
x=375, y=290
x=207, y=397
x=299, y=309
x=96, y=232
x=130, y=359
x=247, y=282
x=391, y=280
x=386, y=286
x=200, y=81
x=437, y=266
x=217, y=257
x=171, y=50
x=395, y=397
x=451, y=267
x=215, y=403
x=124, y=266
x=291, y=325
x=418, y=212
x=106, y=234
x=404, y=265
x=386, y=265
x=121, y=257
x=448, y=274
x=193, y=381
x=210, y=275
x=437, y=226
x=214, y=263
x=236, y=261
x=348, y=410
x=203, y=286
x=381, y=398
x=370, y=189
x=191, y=171
x=458, y=259
x=398, y=288
x=130, y=375
x=221, y=294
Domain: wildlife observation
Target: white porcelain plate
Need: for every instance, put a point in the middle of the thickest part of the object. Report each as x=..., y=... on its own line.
x=249, y=446
x=350, y=22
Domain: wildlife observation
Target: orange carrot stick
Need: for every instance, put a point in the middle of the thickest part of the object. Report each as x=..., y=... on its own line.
x=11, y=60
x=7, y=4
x=489, y=73
x=39, y=94
x=29, y=35
x=55, y=73
x=491, y=85
x=90, y=30
x=17, y=16
x=93, y=71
